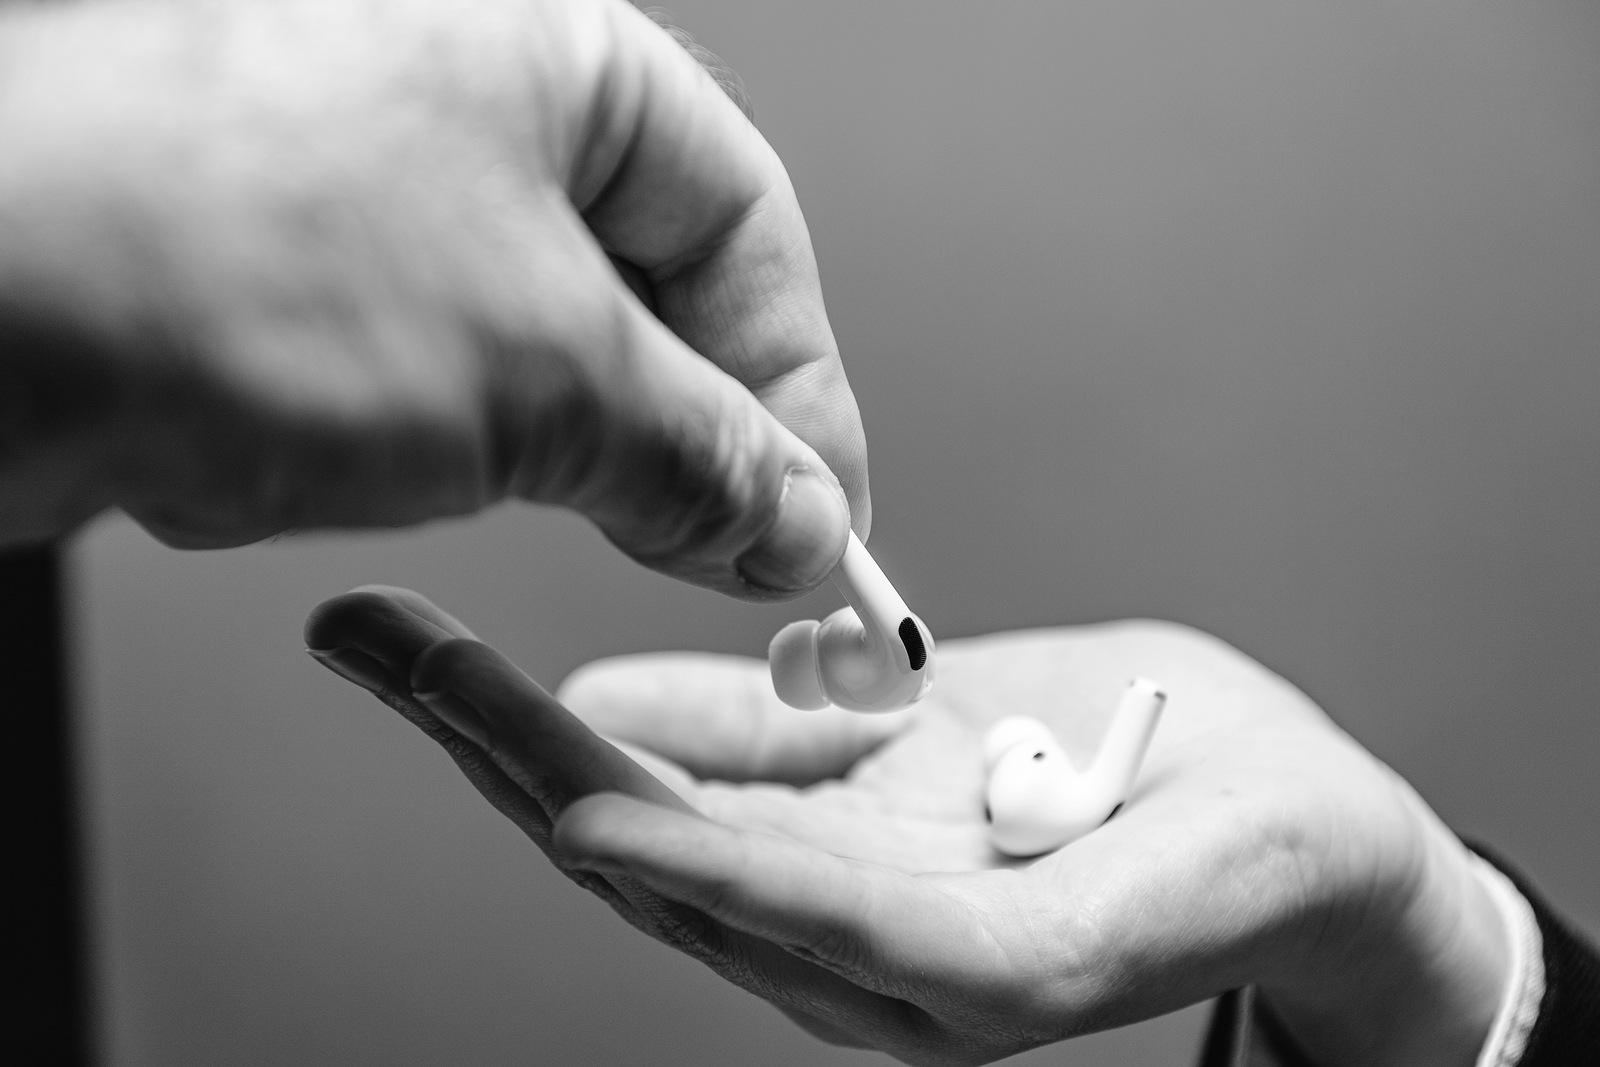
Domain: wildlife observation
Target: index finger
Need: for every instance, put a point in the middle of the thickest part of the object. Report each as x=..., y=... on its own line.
x=683, y=186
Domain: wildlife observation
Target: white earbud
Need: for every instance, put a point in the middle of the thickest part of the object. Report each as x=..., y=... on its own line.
x=1037, y=801
x=872, y=656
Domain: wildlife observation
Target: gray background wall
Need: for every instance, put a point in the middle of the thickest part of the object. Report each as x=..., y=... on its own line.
x=1279, y=318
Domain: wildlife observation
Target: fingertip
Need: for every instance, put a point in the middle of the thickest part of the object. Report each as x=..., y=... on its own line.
x=592, y=684
x=420, y=606
x=452, y=665
x=359, y=616
x=598, y=829
x=807, y=536
x=369, y=637
x=326, y=622
x=574, y=831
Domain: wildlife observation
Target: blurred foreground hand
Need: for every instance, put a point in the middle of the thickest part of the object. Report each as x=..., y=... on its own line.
x=276, y=264
x=837, y=865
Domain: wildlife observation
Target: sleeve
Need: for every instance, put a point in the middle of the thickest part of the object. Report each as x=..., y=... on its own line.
x=1550, y=1017
x=1243, y=1033
x=1566, y=1032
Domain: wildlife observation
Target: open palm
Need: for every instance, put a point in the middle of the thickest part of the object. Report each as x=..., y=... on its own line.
x=837, y=864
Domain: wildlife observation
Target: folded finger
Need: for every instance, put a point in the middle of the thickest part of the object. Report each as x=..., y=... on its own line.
x=663, y=770
x=718, y=717
x=846, y=821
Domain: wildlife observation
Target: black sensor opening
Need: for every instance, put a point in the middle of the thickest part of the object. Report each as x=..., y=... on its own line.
x=912, y=639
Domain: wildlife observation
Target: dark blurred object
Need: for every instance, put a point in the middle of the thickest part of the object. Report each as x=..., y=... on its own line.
x=45, y=997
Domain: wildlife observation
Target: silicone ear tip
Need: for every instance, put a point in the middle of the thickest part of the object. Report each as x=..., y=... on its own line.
x=792, y=657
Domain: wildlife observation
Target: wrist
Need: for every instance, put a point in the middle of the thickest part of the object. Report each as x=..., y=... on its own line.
x=1410, y=969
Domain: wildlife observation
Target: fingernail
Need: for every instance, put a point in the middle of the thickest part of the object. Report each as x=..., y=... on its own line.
x=805, y=541
x=457, y=714
x=353, y=666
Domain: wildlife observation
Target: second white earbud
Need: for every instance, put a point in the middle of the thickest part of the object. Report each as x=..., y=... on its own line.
x=871, y=656
x=1038, y=801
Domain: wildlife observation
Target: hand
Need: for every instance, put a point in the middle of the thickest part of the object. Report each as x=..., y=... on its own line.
x=271, y=264
x=837, y=865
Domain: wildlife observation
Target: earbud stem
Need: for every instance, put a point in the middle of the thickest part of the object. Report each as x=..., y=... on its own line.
x=1132, y=726
x=871, y=656
x=868, y=590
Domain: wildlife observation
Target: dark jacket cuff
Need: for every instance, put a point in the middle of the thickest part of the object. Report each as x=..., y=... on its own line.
x=1567, y=1032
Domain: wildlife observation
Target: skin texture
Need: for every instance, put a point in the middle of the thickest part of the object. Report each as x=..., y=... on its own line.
x=276, y=264
x=837, y=864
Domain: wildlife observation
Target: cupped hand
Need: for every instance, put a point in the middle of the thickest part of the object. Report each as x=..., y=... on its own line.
x=838, y=866
x=271, y=264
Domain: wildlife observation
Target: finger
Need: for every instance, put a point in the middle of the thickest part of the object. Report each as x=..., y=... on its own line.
x=843, y=819
x=388, y=628
x=556, y=757
x=371, y=635
x=418, y=606
x=886, y=932
x=540, y=745
x=595, y=405
x=677, y=181
x=663, y=770
x=718, y=717
x=376, y=636
x=727, y=78
x=388, y=625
